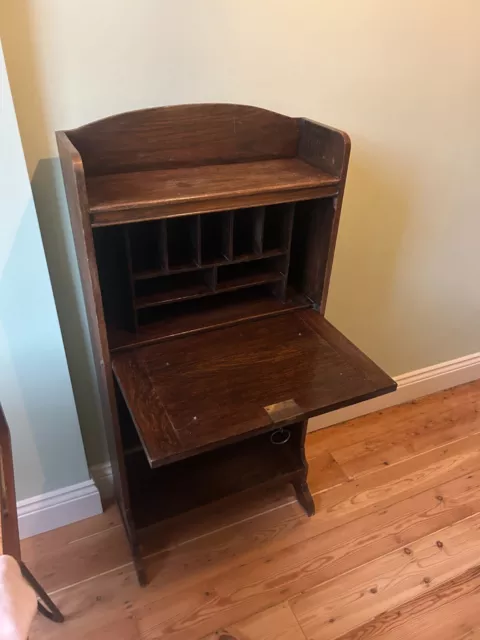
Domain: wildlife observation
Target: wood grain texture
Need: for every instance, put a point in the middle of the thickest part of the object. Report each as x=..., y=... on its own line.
x=277, y=623
x=291, y=568
x=204, y=283
x=324, y=472
x=311, y=246
x=204, y=261
x=194, y=562
x=449, y=611
x=286, y=539
x=342, y=344
x=103, y=605
x=108, y=626
x=74, y=179
x=330, y=610
x=73, y=562
x=472, y=634
x=163, y=187
x=221, y=530
x=200, y=479
x=432, y=413
x=207, y=317
x=202, y=399
x=398, y=481
x=250, y=366
x=250, y=556
x=324, y=147
x=110, y=218
x=412, y=435
x=184, y=136
x=52, y=541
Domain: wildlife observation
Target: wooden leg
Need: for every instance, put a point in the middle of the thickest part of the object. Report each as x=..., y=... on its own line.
x=138, y=562
x=45, y=604
x=304, y=496
x=301, y=486
x=135, y=550
x=140, y=569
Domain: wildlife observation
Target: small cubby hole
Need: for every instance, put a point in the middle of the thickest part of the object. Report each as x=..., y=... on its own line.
x=311, y=236
x=214, y=229
x=251, y=271
x=169, y=287
x=145, y=241
x=115, y=277
x=182, y=242
x=223, y=304
x=243, y=232
x=163, y=245
x=276, y=232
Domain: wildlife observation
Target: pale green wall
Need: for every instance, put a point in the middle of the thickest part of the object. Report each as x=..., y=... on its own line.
x=402, y=77
x=35, y=388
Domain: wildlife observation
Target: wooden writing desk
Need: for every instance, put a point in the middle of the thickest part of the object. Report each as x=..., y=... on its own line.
x=205, y=237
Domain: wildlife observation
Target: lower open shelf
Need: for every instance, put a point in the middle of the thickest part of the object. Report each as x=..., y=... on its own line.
x=157, y=494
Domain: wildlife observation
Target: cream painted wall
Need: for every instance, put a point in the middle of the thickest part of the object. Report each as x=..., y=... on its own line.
x=402, y=77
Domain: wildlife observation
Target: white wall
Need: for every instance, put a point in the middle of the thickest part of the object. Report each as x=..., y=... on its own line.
x=35, y=388
x=401, y=77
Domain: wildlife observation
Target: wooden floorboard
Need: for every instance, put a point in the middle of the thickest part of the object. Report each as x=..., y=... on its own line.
x=294, y=563
x=392, y=483
x=413, y=435
x=406, y=478
x=448, y=611
x=75, y=561
x=277, y=623
x=349, y=600
x=385, y=424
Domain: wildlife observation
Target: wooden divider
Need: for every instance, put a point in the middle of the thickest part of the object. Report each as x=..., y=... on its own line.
x=195, y=256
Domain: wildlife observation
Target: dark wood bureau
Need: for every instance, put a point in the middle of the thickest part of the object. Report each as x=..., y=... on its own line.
x=205, y=237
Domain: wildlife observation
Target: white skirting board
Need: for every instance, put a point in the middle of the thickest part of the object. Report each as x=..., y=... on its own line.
x=58, y=508
x=411, y=386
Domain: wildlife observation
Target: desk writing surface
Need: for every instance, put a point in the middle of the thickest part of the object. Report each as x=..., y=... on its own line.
x=194, y=393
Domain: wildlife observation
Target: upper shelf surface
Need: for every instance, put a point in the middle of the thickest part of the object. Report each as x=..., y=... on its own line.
x=121, y=191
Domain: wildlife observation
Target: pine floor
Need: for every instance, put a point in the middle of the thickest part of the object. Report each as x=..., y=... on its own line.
x=393, y=551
